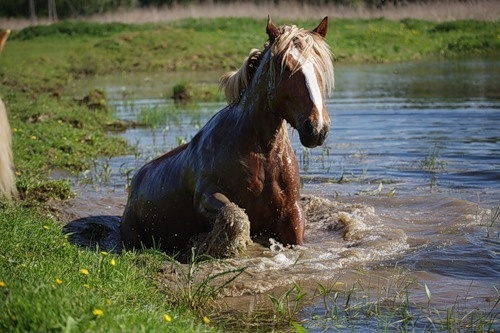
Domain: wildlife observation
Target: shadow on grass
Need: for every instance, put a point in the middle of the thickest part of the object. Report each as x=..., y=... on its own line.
x=101, y=231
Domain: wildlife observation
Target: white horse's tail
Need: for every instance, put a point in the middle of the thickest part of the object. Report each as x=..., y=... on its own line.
x=7, y=180
x=8, y=188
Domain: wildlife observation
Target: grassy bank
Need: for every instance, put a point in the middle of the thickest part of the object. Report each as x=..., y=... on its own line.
x=81, y=49
x=48, y=284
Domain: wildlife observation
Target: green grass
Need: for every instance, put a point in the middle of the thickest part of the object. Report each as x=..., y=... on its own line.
x=51, y=133
x=48, y=284
x=222, y=43
x=42, y=286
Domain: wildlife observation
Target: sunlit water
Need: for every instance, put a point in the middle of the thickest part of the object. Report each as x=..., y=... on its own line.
x=410, y=175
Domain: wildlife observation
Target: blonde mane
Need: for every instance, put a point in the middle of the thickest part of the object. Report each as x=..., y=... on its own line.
x=311, y=47
x=235, y=82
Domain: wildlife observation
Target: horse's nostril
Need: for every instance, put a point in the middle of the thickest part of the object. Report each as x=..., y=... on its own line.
x=308, y=126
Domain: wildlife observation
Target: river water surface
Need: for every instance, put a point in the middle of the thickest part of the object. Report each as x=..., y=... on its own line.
x=403, y=196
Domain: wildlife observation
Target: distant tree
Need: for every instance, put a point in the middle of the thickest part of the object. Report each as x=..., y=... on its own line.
x=55, y=9
x=158, y=3
x=52, y=10
x=32, y=10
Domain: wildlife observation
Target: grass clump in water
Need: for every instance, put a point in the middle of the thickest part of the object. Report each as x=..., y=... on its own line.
x=432, y=164
x=185, y=92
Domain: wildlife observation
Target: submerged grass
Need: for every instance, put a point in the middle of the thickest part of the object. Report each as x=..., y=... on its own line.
x=371, y=303
x=169, y=115
x=395, y=305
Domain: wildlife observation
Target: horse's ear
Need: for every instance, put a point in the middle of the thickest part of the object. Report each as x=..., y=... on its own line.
x=272, y=31
x=322, y=28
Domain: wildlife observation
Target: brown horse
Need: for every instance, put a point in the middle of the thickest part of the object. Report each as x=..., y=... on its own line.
x=7, y=180
x=242, y=158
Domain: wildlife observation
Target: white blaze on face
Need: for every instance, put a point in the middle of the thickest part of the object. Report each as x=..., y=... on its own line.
x=312, y=85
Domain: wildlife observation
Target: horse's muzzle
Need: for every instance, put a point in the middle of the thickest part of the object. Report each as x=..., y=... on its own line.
x=310, y=136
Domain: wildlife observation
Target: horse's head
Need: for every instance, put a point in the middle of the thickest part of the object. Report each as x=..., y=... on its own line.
x=303, y=71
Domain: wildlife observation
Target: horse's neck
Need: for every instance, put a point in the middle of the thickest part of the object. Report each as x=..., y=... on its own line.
x=257, y=103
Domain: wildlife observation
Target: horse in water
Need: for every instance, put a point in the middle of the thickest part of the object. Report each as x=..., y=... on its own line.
x=239, y=174
x=7, y=180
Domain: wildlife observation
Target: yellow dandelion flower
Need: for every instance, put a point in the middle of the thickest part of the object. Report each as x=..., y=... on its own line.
x=84, y=271
x=98, y=312
x=206, y=320
x=58, y=281
x=2, y=284
x=85, y=285
x=33, y=137
x=167, y=318
x=46, y=227
x=112, y=262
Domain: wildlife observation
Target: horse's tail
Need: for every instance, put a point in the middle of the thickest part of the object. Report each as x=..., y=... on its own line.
x=7, y=180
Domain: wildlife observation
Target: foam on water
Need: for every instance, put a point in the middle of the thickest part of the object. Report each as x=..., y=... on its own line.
x=338, y=235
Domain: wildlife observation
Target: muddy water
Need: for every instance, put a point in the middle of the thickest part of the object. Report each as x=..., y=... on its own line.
x=407, y=184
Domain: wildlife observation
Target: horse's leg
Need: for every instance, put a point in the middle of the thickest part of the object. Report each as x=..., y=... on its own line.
x=230, y=232
x=211, y=202
x=291, y=228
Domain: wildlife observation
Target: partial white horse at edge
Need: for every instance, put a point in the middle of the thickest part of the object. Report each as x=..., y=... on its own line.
x=8, y=188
